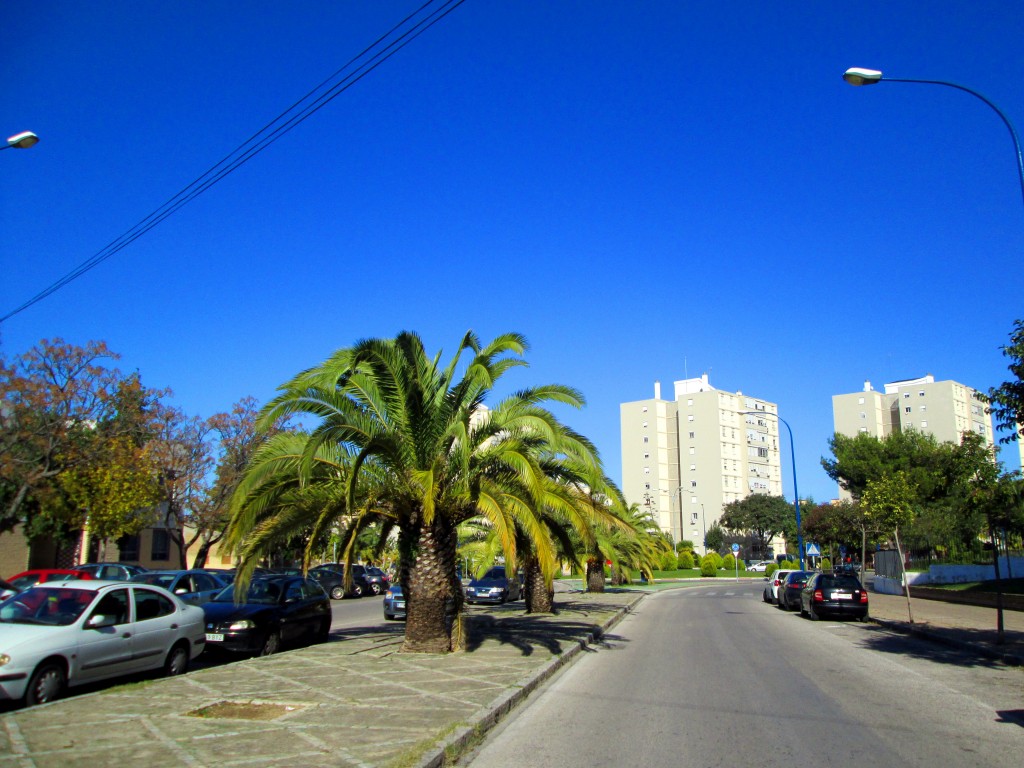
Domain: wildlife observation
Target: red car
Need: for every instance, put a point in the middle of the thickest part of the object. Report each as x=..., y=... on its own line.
x=26, y=579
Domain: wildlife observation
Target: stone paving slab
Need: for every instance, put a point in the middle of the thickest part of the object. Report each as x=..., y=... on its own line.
x=354, y=701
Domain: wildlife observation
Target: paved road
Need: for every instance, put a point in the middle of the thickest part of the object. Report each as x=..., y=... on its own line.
x=712, y=676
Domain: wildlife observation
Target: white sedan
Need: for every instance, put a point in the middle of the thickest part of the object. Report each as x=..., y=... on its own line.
x=76, y=632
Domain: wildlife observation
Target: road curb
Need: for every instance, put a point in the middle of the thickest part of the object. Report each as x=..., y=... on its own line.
x=950, y=642
x=464, y=738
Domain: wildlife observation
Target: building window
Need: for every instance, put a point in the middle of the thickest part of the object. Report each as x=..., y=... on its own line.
x=644, y=409
x=647, y=439
x=906, y=395
x=693, y=467
x=161, y=548
x=692, y=435
x=647, y=455
x=645, y=425
x=689, y=417
x=921, y=393
x=689, y=401
x=128, y=548
x=692, y=450
x=908, y=409
x=647, y=470
x=924, y=424
x=860, y=401
x=863, y=415
x=924, y=408
x=693, y=518
x=647, y=486
x=693, y=483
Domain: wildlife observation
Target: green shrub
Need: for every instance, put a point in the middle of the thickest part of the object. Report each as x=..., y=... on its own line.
x=788, y=565
x=826, y=564
x=707, y=565
x=729, y=562
x=668, y=562
x=717, y=558
x=770, y=569
x=684, y=545
x=685, y=561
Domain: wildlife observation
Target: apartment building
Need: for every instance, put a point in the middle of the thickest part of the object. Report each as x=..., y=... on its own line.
x=684, y=459
x=945, y=409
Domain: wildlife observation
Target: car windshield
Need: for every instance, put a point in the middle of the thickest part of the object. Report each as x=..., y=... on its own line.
x=261, y=592
x=56, y=606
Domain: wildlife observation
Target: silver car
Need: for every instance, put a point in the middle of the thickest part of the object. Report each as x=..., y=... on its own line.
x=75, y=632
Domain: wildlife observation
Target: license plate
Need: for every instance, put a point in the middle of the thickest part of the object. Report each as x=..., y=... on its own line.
x=400, y=605
x=214, y=638
x=841, y=596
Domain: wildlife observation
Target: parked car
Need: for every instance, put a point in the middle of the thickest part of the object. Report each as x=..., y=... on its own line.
x=194, y=587
x=62, y=634
x=111, y=571
x=378, y=573
x=376, y=580
x=7, y=589
x=332, y=578
x=788, y=598
x=772, y=584
x=25, y=579
x=394, y=603
x=278, y=610
x=759, y=566
x=493, y=586
x=834, y=594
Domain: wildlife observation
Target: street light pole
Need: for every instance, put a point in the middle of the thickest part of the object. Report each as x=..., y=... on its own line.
x=860, y=76
x=796, y=493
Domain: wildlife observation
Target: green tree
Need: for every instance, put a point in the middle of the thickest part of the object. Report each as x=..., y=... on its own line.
x=1006, y=402
x=889, y=501
x=714, y=539
x=413, y=446
x=761, y=516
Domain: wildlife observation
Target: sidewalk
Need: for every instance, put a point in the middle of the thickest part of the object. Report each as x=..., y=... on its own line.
x=354, y=701
x=966, y=626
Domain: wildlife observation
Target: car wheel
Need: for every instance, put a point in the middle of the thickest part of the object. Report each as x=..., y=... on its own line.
x=389, y=617
x=176, y=662
x=46, y=684
x=357, y=591
x=337, y=593
x=764, y=596
x=802, y=611
x=375, y=588
x=271, y=643
x=814, y=616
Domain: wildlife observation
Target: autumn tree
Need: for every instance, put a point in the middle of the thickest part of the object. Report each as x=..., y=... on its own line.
x=71, y=429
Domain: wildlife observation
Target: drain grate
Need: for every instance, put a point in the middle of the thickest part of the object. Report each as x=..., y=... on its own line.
x=244, y=710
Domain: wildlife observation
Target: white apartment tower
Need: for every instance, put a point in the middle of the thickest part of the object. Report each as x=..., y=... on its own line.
x=945, y=409
x=686, y=458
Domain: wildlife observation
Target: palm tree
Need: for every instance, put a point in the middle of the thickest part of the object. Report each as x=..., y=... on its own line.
x=415, y=449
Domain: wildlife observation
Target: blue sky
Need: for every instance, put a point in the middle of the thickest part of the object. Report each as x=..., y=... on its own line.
x=644, y=190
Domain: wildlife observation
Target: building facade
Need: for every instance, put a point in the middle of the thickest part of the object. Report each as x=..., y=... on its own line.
x=944, y=409
x=684, y=459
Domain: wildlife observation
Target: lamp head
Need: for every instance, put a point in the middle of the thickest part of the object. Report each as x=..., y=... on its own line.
x=861, y=76
x=22, y=140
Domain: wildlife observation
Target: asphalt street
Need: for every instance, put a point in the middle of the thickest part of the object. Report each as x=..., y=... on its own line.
x=712, y=676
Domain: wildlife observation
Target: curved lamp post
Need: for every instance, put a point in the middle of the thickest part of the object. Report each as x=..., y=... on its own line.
x=861, y=76
x=796, y=494
x=22, y=140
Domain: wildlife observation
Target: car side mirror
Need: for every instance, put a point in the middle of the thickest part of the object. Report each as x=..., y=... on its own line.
x=99, y=620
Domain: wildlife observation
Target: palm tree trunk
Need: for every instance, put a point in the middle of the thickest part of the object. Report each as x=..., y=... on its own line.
x=595, y=575
x=539, y=599
x=434, y=595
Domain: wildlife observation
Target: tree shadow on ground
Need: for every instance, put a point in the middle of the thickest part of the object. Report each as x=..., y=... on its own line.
x=961, y=647
x=1012, y=716
x=532, y=632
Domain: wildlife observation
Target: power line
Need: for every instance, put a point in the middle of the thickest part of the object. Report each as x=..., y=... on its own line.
x=359, y=66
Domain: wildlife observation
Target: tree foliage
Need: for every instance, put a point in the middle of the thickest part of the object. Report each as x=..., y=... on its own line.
x=1007, y=400
x=760, y=516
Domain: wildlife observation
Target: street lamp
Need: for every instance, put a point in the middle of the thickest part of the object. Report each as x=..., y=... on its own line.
x=702, y=519
x=861, y=76
x=796, y=494
x=22, y=140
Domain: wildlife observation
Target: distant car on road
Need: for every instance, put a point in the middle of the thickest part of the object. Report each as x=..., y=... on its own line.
x=759, y=566
x=832, y=594
x=332, y=578
x=394, y=603
x=62, y=634
x=493, y=586
x=788, y=598
x=278, y=610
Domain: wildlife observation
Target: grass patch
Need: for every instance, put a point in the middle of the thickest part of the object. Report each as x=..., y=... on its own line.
x=415, y=753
